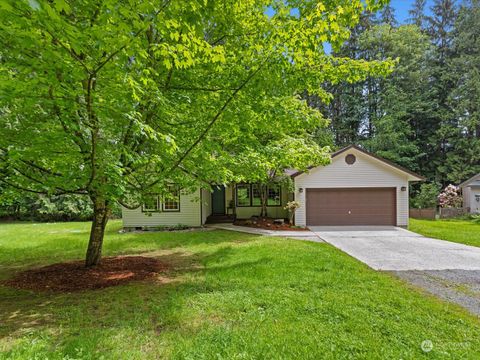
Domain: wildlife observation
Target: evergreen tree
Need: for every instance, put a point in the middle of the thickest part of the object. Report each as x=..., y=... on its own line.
x=387, y=16
x=426, y=114
x=348, y=111
x=440, y=26
x=463, y=160
x=417, y=13
x=443, y=124
x=401, y=95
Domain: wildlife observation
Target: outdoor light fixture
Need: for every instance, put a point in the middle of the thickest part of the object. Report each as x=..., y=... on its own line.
x=300, y=190
x=403, y=188
x=477, y=197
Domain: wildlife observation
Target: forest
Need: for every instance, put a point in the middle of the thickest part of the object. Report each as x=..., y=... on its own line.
x=426, y=114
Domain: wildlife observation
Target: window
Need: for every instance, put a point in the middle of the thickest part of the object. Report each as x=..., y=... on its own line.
x=151, y=204
x=171, y=202
x=274, y=196
x=250, y=195
x=256, y=195
x=243, y=195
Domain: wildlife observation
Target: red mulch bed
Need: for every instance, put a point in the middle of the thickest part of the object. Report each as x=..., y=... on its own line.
x=267, y=223
x=73, y=276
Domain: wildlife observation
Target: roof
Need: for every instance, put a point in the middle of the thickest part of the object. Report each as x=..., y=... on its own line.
x=385, y=161
x=467, y=182
x=290, y=172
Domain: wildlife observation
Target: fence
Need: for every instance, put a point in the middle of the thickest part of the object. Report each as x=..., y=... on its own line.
x=447, y=213
x=423, y=213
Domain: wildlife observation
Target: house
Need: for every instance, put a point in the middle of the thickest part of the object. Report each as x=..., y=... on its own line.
x=356, y=188
x=471, y=194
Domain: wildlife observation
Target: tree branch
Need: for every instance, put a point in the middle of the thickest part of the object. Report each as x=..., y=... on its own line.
x=32, y=164
x=169, y=78
x=22, y=188
x=135, y=35
x=59, y=190
x=192, y=88
x=216, y=117
x=213, y=121
x=129, y=207
x=70, y=51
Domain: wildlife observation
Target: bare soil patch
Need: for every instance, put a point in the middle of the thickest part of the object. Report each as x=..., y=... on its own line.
x=73, y=276
x=268, y=224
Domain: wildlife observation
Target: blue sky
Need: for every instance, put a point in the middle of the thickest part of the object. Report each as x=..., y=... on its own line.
x=401, y=12
x=402, y=6
x=401, y=9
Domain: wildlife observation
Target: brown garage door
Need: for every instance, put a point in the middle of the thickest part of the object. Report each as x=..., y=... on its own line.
x=359, y=206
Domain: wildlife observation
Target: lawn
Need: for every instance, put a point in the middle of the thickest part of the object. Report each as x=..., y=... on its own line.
x=460, y=231
x=232, y=296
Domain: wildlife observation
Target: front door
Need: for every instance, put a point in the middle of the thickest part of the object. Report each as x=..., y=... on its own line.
x=218, y=200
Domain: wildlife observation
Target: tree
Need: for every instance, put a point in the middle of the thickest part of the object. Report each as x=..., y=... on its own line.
x=417, y=13
x=113, y=100
x=269, y=165
x=426, y=197
x=401, y=103
x=40, y=207
x=443, y=122
x=352, y=104
x=425, y=115
x=387, y=16
x=463, y=160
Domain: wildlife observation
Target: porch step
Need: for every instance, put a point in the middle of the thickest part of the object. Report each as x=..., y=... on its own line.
x=220, y=219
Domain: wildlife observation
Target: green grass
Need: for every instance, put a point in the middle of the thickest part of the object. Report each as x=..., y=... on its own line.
x=233, y=296
x=460, y=231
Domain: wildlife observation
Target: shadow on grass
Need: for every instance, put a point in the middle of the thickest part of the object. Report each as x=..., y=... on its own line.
x=170, y=240
x=97, y=316
x=73, y=246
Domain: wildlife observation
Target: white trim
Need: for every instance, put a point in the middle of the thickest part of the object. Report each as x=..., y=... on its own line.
x=465, y=183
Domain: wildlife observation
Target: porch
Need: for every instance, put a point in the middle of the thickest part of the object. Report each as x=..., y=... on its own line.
x=242, y=201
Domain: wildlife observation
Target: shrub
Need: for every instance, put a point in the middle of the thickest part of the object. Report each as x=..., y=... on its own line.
x=43, y=208
x=475, y=218
x=169, y=227
x=450, y=197
x=426, y=197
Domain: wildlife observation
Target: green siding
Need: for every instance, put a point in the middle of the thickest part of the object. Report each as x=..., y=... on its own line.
x=272, y=211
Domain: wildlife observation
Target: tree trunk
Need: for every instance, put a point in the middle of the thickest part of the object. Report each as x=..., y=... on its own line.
x=97, y=231
x=291, y=214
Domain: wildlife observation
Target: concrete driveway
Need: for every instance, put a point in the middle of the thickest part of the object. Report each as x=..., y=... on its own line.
x=395, y=249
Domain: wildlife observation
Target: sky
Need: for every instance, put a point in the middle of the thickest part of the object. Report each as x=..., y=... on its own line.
x=401, y=13
x=402, y=6
x=401, y=9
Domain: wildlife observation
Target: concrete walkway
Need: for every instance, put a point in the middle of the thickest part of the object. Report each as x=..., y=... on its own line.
x=395, y=249
x=297, y=235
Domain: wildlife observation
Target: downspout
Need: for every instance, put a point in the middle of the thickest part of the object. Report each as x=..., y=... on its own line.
x=294, y=192
x=201, y=208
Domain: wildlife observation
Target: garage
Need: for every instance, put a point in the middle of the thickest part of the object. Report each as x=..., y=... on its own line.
x=356, y=188
x=353, y=206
